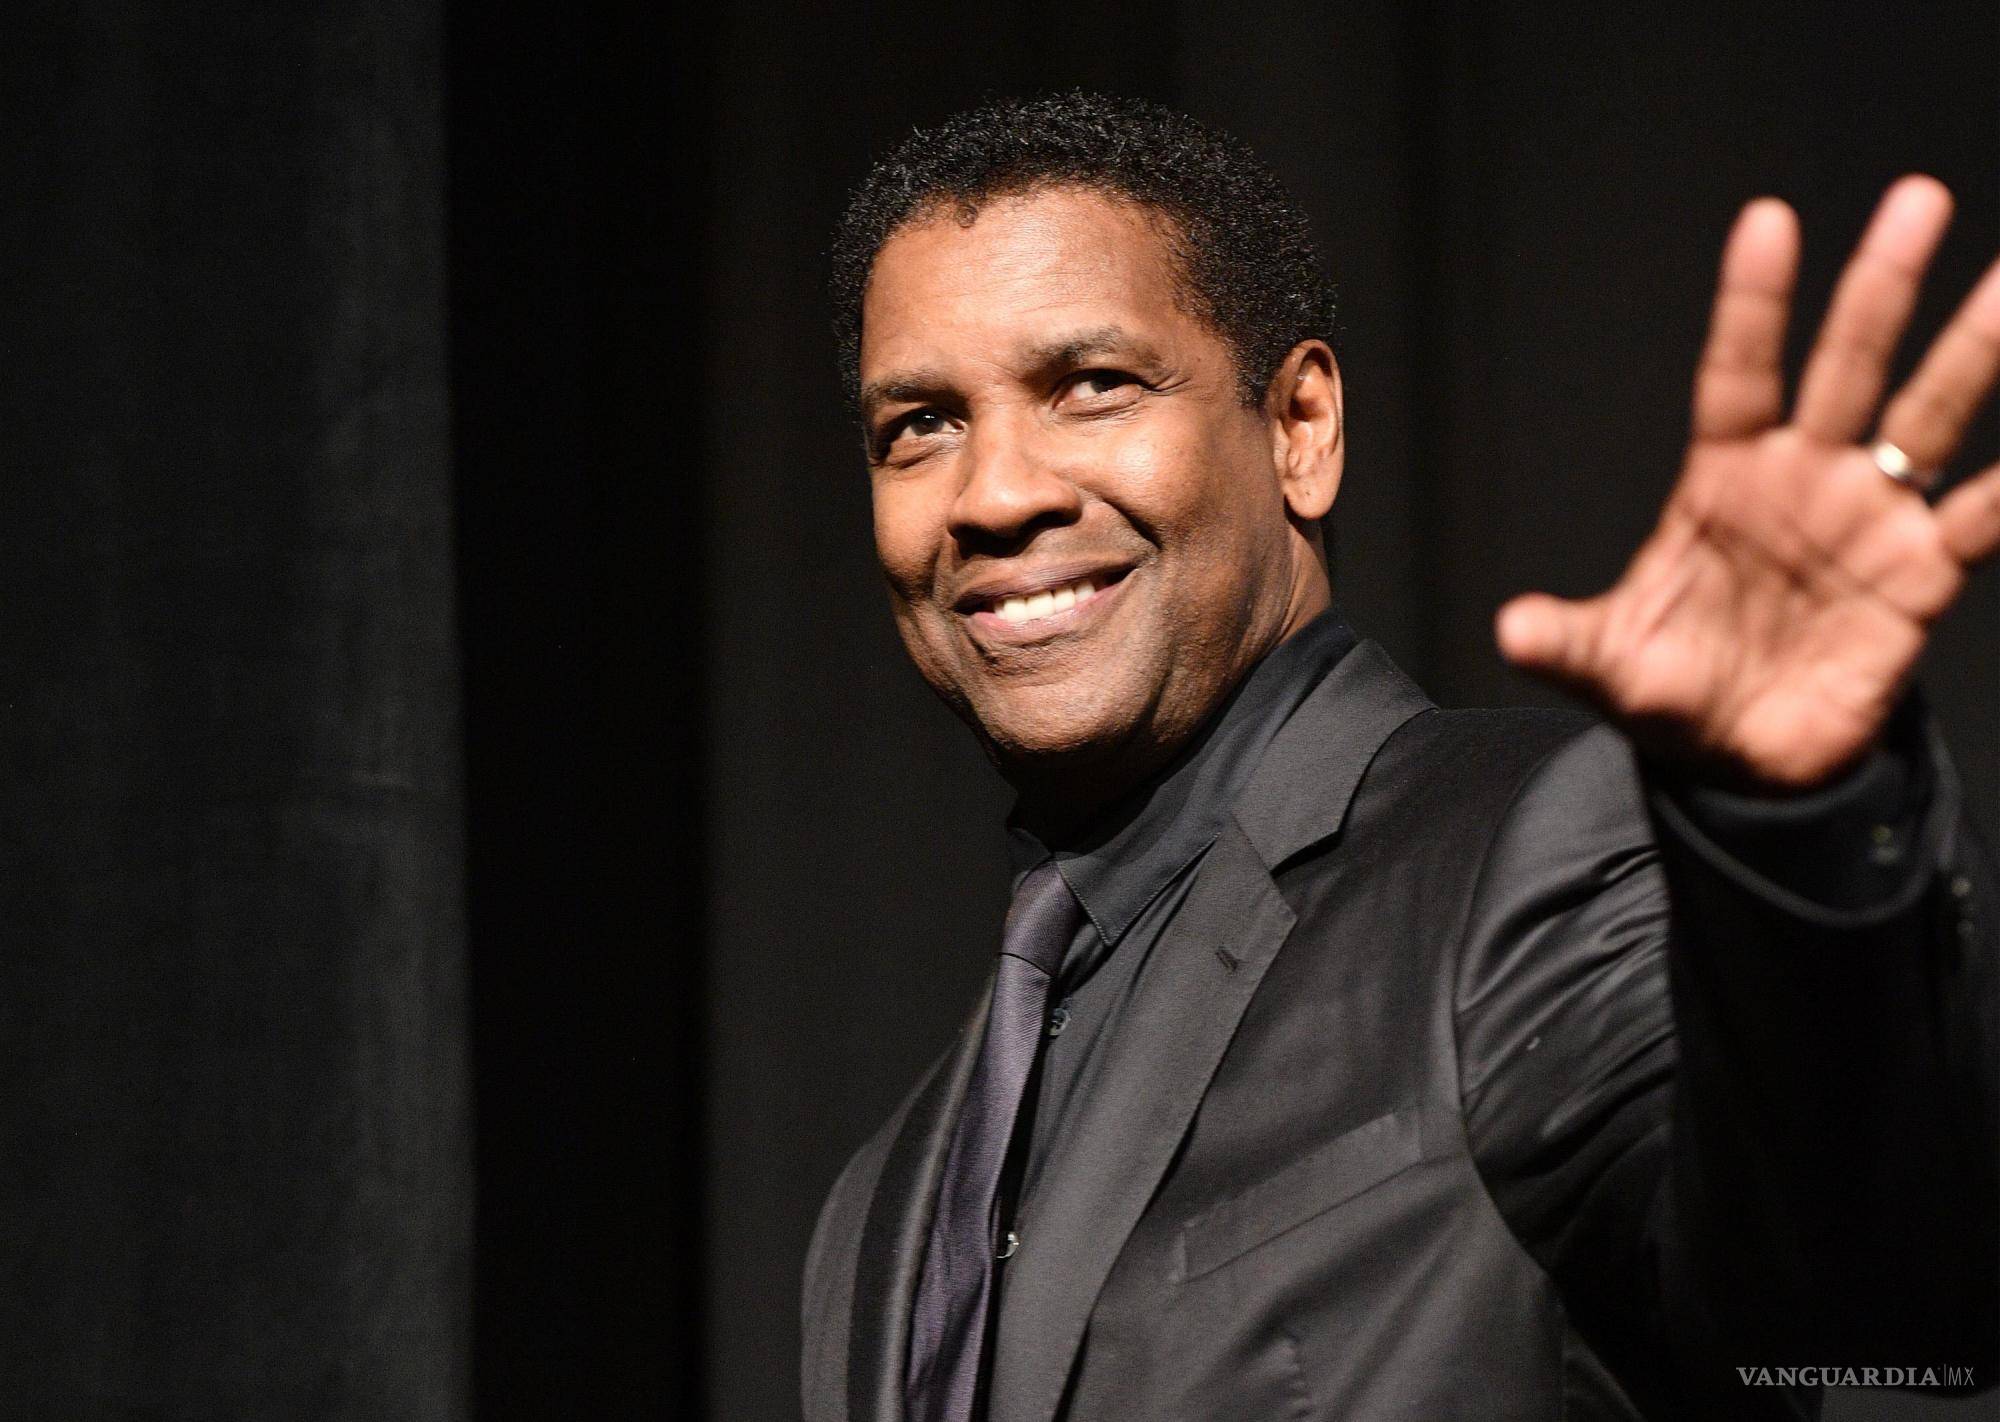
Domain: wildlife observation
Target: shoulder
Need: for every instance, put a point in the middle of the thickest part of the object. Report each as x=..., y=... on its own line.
x=1470, y=767
x=831, y=1259
x=1521, y=799
x=1506, y=735
x=837, y=1232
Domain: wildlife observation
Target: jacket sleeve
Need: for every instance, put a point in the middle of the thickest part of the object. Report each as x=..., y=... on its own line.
x=1728, y=1068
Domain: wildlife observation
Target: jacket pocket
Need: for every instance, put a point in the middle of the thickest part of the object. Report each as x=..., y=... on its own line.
x=1336, y=1172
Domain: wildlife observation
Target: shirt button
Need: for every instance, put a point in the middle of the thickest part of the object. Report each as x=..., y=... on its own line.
x=1008, y=1245
x=1961, y=887
x=1058, y=1020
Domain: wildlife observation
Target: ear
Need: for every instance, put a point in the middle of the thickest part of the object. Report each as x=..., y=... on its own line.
x=1308, y=430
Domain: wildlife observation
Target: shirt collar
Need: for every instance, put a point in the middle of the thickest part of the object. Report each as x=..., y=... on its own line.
x=1120, y=863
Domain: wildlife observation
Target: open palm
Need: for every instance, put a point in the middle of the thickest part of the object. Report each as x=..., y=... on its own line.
x=1767, y=627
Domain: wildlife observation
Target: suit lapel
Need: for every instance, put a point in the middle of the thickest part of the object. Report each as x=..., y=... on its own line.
x=1303, y=785
x=1190, y=997
x=897, y=1226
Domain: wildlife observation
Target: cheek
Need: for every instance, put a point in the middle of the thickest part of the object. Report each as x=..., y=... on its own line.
x=1198, y=492
x=906, y=537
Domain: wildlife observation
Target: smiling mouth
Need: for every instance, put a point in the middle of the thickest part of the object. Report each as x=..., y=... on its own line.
x=1022, y=617
x=1028, y=607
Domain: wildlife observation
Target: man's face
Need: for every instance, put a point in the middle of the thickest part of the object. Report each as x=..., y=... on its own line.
x=1082, y=525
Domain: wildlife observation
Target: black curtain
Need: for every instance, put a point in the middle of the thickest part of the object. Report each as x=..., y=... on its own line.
x=235, y=1169
x=578, y=302
x=478, y=860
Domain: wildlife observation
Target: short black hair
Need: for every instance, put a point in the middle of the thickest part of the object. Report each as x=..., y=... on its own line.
x=1248, y=266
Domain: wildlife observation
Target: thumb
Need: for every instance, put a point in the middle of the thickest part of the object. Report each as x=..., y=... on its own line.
x=1545, y=634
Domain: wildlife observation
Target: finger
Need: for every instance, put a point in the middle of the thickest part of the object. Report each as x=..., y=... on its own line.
x=1929, y=415
x=1739, y=388
x=1548, y=635
x=1969, y=517
x=1871, y=305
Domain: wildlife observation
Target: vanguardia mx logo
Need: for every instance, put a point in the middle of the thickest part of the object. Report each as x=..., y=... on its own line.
x=1944, y=1375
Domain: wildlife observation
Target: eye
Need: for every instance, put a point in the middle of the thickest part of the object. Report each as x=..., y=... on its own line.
x=918, y=424
x=1099, y=387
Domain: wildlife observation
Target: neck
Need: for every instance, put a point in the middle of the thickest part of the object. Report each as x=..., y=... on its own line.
x=1059, y=800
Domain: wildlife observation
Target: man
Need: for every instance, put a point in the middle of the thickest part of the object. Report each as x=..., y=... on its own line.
x=1346, y=1057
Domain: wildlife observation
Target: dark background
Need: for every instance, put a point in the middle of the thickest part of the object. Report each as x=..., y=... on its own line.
x=475, y=859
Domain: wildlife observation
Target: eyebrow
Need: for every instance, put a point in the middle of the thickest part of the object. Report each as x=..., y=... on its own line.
x=1061, y=352
x=1081, y=345
x=913, y=386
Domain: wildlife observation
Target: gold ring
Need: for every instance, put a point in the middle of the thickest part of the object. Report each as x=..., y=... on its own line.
x=1891, y=460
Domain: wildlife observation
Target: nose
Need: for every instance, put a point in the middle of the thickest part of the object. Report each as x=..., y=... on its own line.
x=1010, y=488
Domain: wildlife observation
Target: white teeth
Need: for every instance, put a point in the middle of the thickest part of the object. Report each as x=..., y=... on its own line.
x=1025, y=607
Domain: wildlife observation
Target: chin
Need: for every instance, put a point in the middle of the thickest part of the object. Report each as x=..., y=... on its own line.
x=1046, y=729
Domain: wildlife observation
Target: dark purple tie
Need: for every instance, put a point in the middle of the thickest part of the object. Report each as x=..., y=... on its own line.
x=948, y=1325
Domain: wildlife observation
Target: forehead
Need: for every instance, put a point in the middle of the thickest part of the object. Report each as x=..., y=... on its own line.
x=1025, y=266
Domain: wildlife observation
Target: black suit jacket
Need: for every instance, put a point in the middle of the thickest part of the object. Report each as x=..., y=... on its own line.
x=1427, y=1107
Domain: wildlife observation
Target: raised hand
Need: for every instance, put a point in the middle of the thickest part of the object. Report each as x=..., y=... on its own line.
x=1766, y=628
